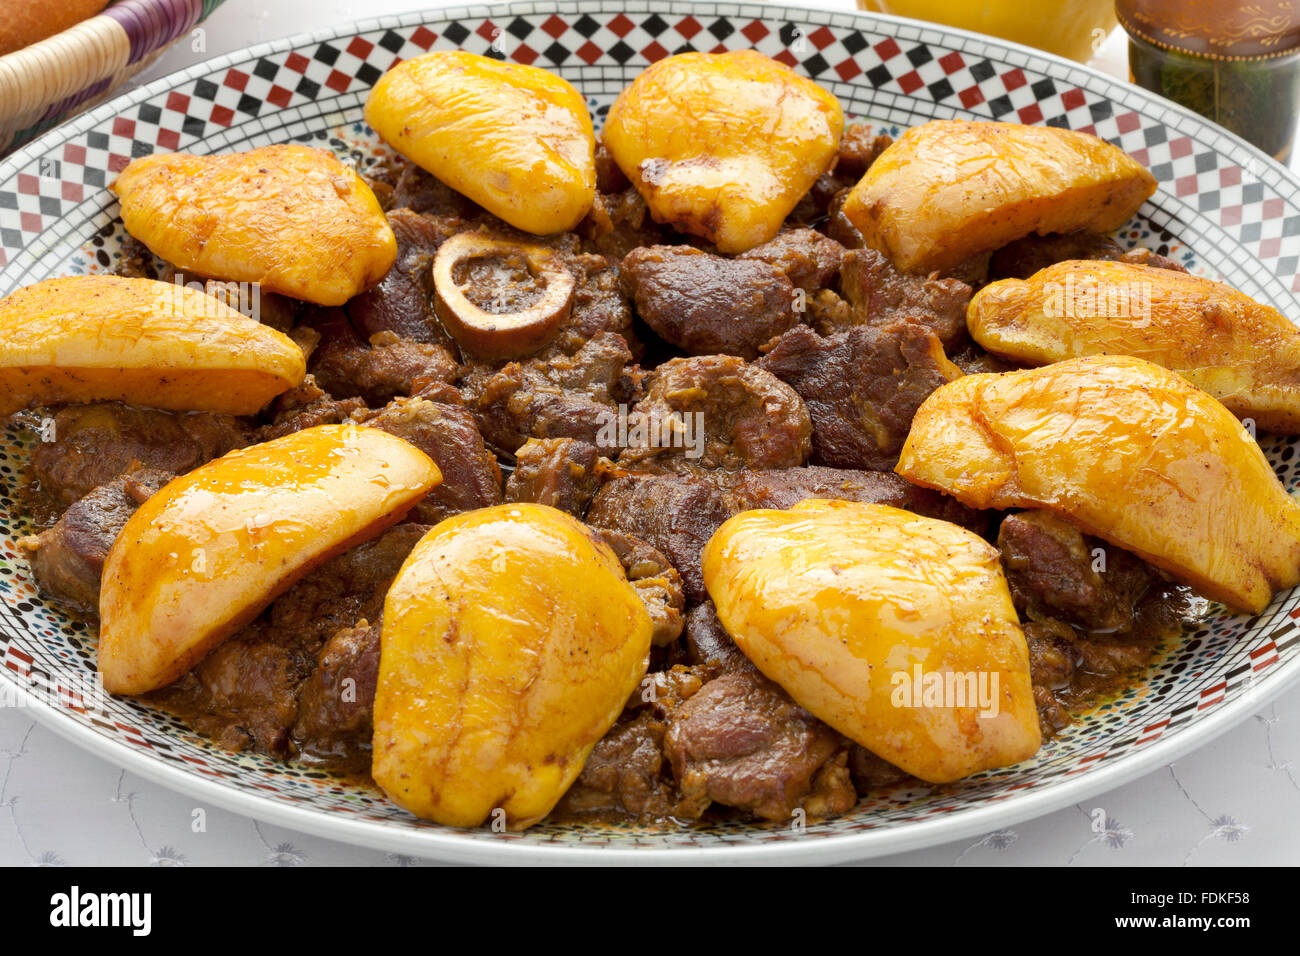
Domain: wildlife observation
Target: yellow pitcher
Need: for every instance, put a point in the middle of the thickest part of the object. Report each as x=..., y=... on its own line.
x=1073, y=28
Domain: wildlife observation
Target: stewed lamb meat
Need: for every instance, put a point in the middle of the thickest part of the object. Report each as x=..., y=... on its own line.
x=1022, y=258
x=1092, y=613
x=678, y=513
x=306, y=406
x=717, y=411
x=708, y=643
x=68, y=558
x=401, y=302
x=553, y=396
x=876, y=293
x=809, y=259
x=563, y=473
x=862, y=387
x=471, y=477
x=627, y=771
x=707, y=304
x=619, y=222
x=1054, y=570
x=655, y=581
x=598, y=306
x=388, y=366
x=90, y=445
x=742, y=742
x=335, y=713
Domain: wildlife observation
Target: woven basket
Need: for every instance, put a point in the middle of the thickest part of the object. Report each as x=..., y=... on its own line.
x=43, y=84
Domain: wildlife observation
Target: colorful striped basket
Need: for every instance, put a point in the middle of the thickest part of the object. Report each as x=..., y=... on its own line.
x=43, y=84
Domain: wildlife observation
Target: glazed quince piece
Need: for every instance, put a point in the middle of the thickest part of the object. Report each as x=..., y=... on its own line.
x=723, y=145
x=895, y=629
x=515, y=139
x=511, y=642
x=204, y=556
x=292, y=218
x=1129, y=452
x=1244, y=353
x=107, y=338
x=948, y=190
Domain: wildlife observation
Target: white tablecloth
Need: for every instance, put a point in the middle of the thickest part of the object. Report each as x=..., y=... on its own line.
x=1235, y=801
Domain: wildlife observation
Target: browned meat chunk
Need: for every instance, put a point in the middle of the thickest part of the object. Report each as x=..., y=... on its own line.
x=787, y=487
x=838, y=226
x=619, y=222
x=598, y=307
x=389, y=366
x=306, y=407
x=245, y=693
x=609, y=178
x=1055, y=571
x=678, y=513
x=810, y=260
x=1145, y=257
x=655, y=581
x=707, y=641
x=270, y=308
x=336, y=705
x=706, y=304
x=557, y=396
x=875, y=293
x=627, y=773
x=862, y=387
x=1053, y=653
x=1093, y=613
x=68, y=559
x=421, y=192
x=871, y=772
x=1024, y=257
x=471, y=477
x=860, y=146
x=93, y=444
x=401, y=302
x=717, y=411
x=563, y=473
x=742, y=742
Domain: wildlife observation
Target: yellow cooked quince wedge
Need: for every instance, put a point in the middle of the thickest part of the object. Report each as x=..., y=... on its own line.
x=291, y=218
x=1129, y=452
x=515, y=139
x=204, y=556
x=1244, y=353
x=108, y=338
x=511, y=642
x=895, y=629
x=948, y=190
x=723, y=145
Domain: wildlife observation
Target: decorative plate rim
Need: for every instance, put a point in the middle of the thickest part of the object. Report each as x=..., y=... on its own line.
x=443, y=844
